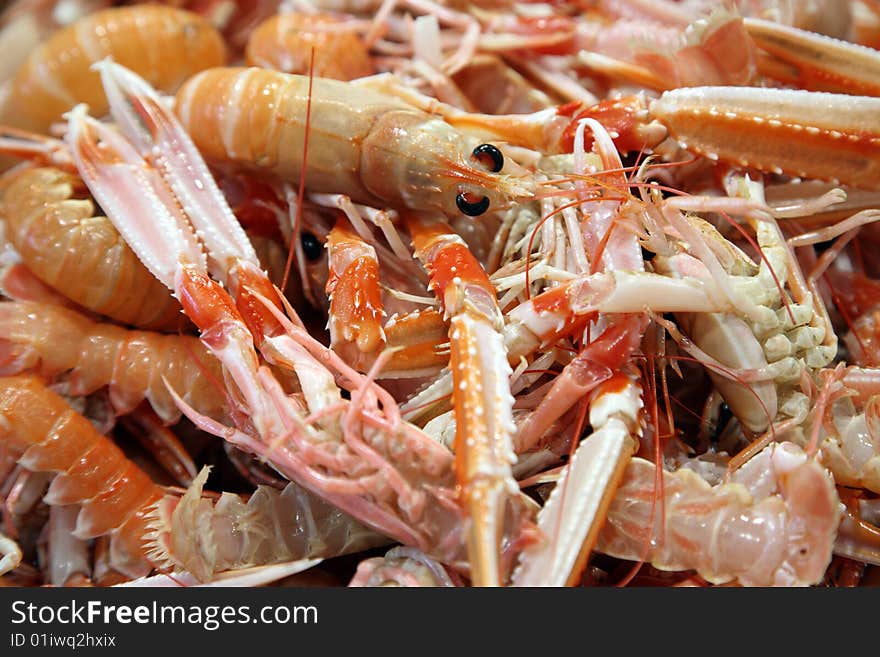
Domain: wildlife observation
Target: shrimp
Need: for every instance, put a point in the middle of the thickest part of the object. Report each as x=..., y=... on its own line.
x=284, y=41
x=166, y=45
x=114, y=495
x=353, y=290
x=81, y=254
x=374, y=148
x=50, y=341
x=774, y=524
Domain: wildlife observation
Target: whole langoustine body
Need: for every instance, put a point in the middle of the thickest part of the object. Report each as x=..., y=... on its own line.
x=372, y=147
x=350, y=456
x=166, y=45
x=80, y=254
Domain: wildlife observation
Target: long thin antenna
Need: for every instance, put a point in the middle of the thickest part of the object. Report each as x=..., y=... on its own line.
x=302, y=176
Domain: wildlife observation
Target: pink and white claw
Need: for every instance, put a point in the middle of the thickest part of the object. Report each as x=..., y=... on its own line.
x=574, y=514
x=145, y=211
x=159, y=139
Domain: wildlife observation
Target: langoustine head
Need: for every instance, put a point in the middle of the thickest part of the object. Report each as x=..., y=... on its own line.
x=424, y=163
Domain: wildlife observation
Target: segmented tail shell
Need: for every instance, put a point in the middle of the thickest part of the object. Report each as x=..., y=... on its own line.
x=112, y=492
x=82, y=255
x=164, y=44
x=284, y=43
x=204, y=537
x=52, y=341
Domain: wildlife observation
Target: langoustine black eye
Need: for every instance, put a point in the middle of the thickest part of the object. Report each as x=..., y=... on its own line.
x=489, y=156
x=311, y=245
x=472, y=208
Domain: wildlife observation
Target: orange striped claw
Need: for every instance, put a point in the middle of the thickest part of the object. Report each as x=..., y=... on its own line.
x=814, y=61
x=837, y=136
x=247, y=285
x=419, y=342
x=482, y=443
x=457, y=277
x=591, y=479
x=482, y=400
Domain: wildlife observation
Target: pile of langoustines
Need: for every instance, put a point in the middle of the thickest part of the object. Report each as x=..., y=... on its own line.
x=439, y=293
